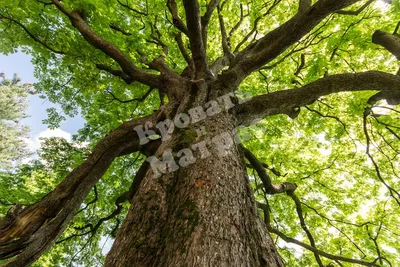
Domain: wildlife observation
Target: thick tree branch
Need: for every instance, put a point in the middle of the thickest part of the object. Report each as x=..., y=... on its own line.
x=49, y=217
x=178, y=23
x=277, y=41
x=304, y=5
x=219, y=64
x=109, y=49
x=288, y=101
x=193, y=22
x=390, y=42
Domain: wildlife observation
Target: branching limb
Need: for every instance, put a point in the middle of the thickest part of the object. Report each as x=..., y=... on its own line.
x=118, y=73
x=390, y=42
x=237, y=25
x=265, y=178
x=90, y=202
x=31, y=35
x=132, y=9
x=277, y=41
x=205, y=19
x=193, y=22
x=289, y=101
x=49, y=217
x=356, y=12
x=304, y=5
x=178, y=23
x=303, y=225
x=182, y=49
x=392, y=191
x=118, y=29
x=156, y=35
x=94, y=228
x=109, y=49
x=255, y=24
x=224, y=35
x=338, y=259
x=138, y=99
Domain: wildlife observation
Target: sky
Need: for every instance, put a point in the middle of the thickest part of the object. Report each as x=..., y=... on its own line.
x=21, y=63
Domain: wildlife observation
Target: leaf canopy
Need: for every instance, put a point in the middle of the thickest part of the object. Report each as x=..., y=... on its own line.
x=344, y=162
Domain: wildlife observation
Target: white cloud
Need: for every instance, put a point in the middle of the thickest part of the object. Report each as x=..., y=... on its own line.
x=35, y=142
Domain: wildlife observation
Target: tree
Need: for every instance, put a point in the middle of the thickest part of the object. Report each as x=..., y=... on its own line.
x=173, y=80
x=13, y=103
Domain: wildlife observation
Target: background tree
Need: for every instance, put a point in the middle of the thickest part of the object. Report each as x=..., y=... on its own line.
x=322, y=160
x=13, y=104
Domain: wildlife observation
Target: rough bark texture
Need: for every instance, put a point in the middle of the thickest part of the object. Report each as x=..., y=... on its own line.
x=29, y=232
x=389, y=41
x=200, y=215
x=203, y=214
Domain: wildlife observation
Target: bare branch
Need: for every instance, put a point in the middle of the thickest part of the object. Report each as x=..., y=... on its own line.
x=320, y=252
x=205, y=19
x=237, y=25
x=224, y=35
x=303, y=225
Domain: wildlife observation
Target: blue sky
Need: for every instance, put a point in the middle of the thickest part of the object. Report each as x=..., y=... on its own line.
x=21, y=63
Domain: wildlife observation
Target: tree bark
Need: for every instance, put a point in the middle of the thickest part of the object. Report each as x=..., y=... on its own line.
x=27, y=233
x=389, y=41
x=203, y=214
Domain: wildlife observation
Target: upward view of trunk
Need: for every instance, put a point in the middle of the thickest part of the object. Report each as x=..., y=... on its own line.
x=203, y=214
x=192, y=203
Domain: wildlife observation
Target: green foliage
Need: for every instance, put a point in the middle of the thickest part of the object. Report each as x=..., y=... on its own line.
x=13, y=103
x=323, y=150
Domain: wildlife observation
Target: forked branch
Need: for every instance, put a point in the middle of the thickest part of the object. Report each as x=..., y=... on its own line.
x=193, y=21
x=109, y=49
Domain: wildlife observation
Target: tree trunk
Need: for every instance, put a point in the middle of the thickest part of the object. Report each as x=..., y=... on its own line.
x=28, y=232
x=203, y=214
